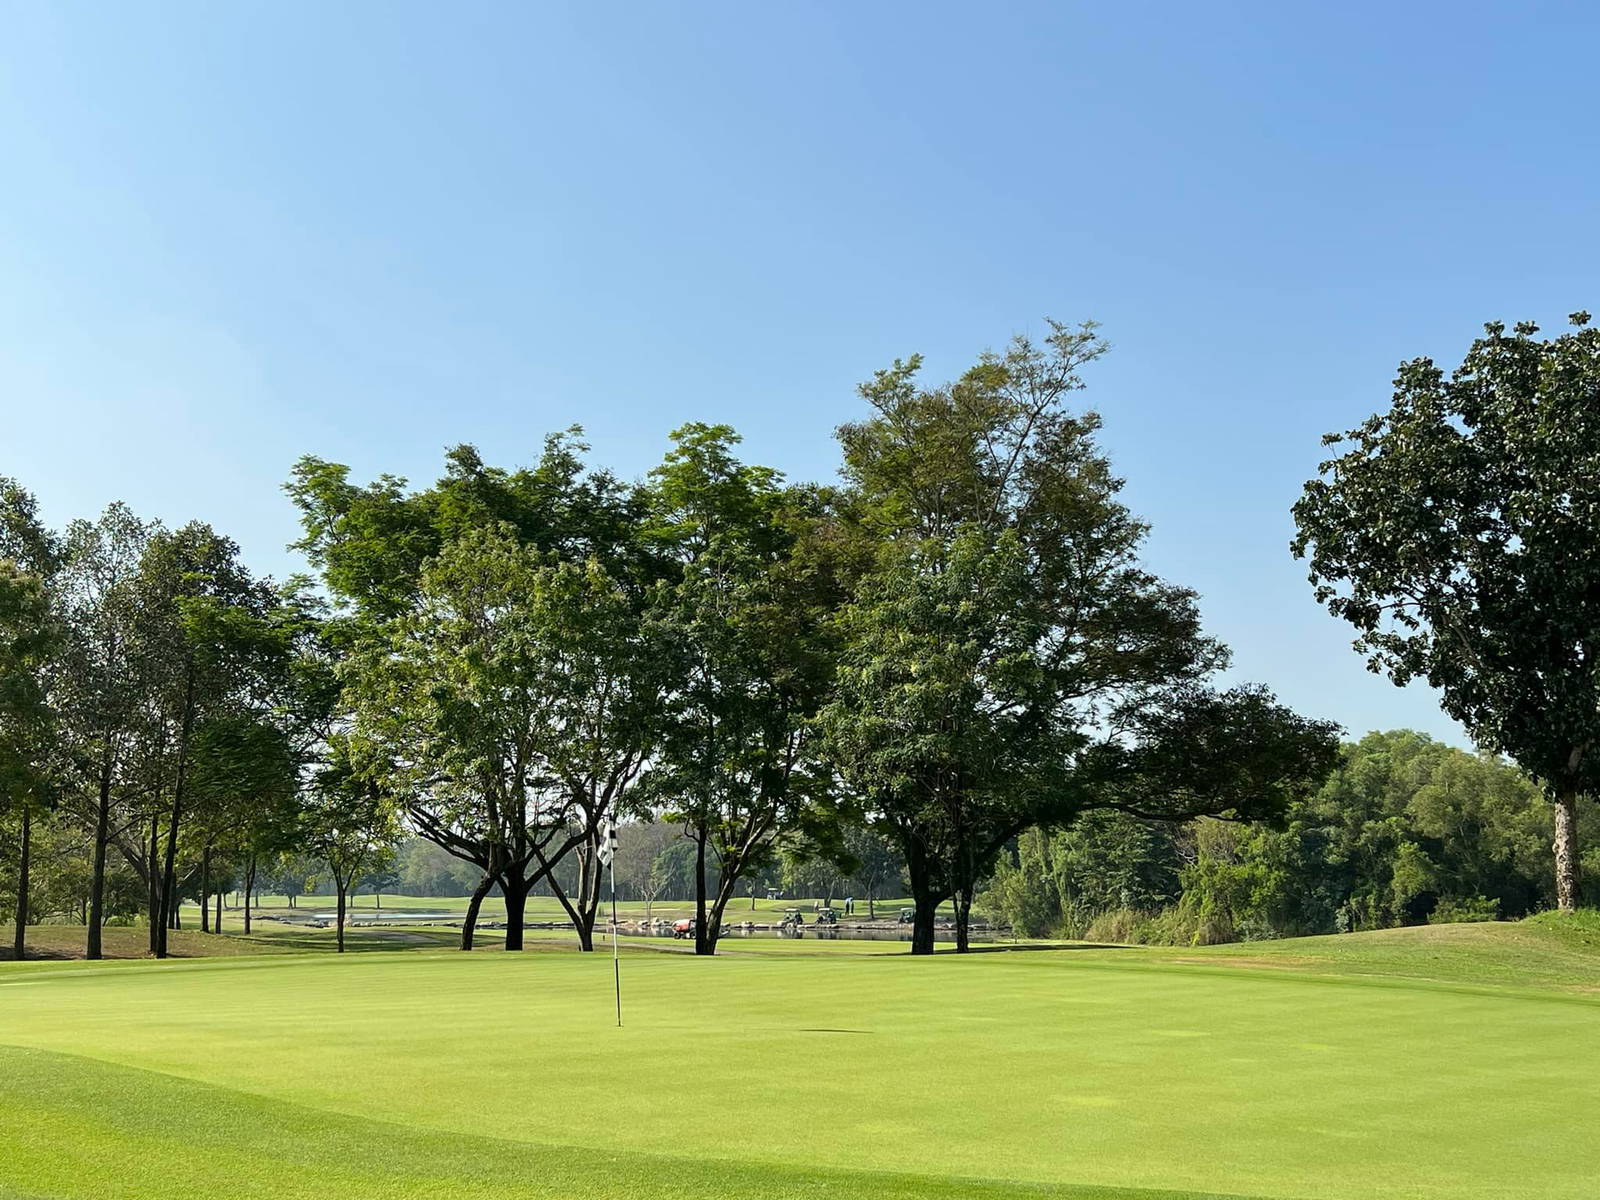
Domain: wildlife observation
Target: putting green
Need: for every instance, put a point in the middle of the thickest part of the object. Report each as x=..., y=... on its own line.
x=1054, y=1072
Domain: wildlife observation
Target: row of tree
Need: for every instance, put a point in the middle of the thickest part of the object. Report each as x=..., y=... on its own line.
x=1406, y=830
x=955, y=645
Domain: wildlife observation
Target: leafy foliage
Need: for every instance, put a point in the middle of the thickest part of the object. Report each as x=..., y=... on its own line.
x=1459, y=532
x=1008, y=662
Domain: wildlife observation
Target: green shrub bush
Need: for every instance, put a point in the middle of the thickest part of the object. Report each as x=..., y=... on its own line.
x=1456, y=910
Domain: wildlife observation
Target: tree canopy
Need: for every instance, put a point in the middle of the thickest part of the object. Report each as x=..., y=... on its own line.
x=1459, y=533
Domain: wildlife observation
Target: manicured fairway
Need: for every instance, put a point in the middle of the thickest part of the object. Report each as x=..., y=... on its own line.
x=823, y=1071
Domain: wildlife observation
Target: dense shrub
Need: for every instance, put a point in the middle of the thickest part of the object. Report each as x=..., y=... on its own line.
x=1451, y=911
x=1408, y=830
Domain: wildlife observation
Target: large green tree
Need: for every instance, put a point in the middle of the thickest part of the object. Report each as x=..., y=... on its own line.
x=448, y=708
x=535, y=575
x=208, y=651
x=99, y=687
x=745, y=623
x=1008, y=661
x=516, y=704
x=29, y=645
x=29, y=637
x=1459, y=532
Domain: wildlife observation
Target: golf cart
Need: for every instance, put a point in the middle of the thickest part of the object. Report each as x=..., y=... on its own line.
x=684, y=928
x=827, y=916
x=908, y=916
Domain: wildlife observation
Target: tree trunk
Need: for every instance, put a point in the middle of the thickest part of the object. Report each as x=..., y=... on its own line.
x=1566, y=848
x=583, y=914
x=156, y=914
x=719, y=905
x=169, y=882
x=704, y=941
x=583, y=906
x=19, y=942
x=217, y=924
x=343, y=891
x=591, y=899
x=470, y=925
x=97, y=883
x=925, y=901
x=516, y=899
x=922, y=924
x=963, y=920
x=205, y=890
x=169, y=878
x=249, y=886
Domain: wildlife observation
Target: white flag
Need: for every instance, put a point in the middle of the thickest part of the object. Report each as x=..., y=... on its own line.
x=608, y=843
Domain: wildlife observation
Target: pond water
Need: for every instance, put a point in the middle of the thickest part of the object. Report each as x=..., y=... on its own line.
x=879, y=932
x=828, y=933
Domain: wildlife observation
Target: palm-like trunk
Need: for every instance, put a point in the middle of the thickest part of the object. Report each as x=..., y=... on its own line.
x=1566, y=851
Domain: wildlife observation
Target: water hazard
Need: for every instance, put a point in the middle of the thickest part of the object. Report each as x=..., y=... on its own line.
x=871, y=931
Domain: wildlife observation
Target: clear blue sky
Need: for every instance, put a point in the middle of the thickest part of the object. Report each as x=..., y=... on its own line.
x=231, y=234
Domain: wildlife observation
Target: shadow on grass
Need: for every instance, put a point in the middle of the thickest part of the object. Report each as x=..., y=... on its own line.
x=999, y=948
x=66, y=943
x=37, y=954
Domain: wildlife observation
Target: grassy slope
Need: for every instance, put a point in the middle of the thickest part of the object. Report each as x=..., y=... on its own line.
x=80, y=1128
x=1059, y=1068
x=1551, y=951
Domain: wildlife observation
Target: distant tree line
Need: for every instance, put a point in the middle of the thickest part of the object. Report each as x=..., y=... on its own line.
x=955, y=645
x=1406, y=831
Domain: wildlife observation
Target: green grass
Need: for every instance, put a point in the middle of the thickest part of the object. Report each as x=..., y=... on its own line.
x=88, y=1129
x=1300, y=1069
x=1549, y=952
